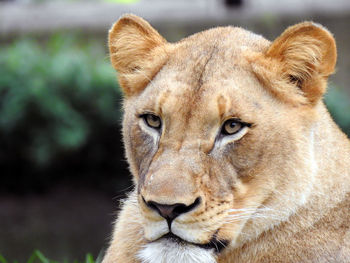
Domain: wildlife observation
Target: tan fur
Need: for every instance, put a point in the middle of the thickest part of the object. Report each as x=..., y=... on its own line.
x=136, y=54
x=279, y=192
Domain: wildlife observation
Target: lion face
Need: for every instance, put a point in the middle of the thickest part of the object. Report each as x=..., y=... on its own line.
x=218, y=140
x=199, y=137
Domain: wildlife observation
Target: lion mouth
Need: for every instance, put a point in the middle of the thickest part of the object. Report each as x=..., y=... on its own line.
x=214, y=244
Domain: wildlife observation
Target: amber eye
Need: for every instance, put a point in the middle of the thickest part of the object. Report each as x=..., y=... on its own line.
x=231, y=127
x=152, y=121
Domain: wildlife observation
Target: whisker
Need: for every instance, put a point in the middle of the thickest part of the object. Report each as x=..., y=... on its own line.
x=217, y=249
x=223, y=244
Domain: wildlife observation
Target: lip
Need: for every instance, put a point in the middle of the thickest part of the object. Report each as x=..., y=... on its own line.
x=215, y=244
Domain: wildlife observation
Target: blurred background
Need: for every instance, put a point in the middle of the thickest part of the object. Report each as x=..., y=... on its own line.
x=62, y=168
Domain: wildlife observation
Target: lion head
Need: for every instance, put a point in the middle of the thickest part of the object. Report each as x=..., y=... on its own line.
x=218, y=129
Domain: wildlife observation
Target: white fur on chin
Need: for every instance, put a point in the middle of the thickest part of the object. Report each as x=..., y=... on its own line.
x=167, y=251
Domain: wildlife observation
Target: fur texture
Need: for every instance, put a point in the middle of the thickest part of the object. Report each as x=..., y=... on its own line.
x=164, y=251
x=277, y=190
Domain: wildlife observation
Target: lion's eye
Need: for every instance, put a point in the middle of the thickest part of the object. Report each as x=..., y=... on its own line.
x=231, y=127
x=152, y=121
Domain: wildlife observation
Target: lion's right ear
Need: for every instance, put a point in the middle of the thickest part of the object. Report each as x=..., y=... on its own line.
x=137, y=52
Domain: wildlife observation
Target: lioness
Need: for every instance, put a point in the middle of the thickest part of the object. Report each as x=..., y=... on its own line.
x=234, y=156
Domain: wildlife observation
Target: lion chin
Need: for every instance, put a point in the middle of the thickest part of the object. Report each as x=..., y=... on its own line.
x=172, y=251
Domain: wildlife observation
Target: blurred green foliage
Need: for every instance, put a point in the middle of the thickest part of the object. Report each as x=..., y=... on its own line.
x=55, y=93
x=38, y=257
x=338, y=103
x=59, y=114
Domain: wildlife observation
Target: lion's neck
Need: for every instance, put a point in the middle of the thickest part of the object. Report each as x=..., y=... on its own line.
x=332, y=155
x=329, y=150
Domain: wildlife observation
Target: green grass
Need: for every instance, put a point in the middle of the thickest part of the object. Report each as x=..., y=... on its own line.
x=38, y=257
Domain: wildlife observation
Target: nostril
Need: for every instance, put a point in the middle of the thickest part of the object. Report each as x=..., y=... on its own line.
x=151, y=205
x=170, y=212
x=182, y=208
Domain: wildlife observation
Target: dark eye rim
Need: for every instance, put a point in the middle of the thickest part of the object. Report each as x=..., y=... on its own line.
x=238, y=120
x=144, y=117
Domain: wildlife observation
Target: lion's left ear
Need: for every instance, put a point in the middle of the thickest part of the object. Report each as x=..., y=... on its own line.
x=295, y=67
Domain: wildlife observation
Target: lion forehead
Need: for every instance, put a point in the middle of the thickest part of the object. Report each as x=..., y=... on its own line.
x=203, y=69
